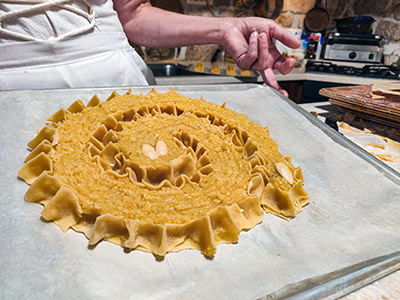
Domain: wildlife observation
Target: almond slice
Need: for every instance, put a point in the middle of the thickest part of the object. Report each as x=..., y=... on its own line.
x=161, y=148
x=149, y=151
x=284, y=171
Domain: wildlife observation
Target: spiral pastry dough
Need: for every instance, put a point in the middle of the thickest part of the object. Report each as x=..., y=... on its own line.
x=159, y=172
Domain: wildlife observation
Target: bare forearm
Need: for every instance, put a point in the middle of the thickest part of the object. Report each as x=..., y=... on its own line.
x=152, y=27
x=248, y=40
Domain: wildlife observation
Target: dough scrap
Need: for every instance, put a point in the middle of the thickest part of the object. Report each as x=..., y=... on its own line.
x=381, y=89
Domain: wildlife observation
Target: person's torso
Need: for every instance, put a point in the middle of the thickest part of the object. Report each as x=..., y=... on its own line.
x=42, y=20
x=76, y=43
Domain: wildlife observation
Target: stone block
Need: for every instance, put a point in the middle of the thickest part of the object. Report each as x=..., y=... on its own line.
x=234, y=11
x=390, y=30
x=338, y=8
x=171, y=5
x=222, y=2
x=371, y=7
x=285, y=19
x=298, y=20
x=298, y=6
x=396, y=12
x=160, y=54
x=200, y=52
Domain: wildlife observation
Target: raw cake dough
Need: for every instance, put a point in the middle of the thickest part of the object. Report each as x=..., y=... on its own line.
x=159, y=172
x=385, y=149
x=382, y=89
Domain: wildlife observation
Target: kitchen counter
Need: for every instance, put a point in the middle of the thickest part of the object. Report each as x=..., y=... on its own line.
x=300, y=74
x=297, y=74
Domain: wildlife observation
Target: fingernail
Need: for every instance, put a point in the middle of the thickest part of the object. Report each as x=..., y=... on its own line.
x=254, y=34
x=262, y=36
x=284, y=93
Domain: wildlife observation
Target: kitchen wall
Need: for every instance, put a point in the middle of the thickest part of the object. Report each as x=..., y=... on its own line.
x=288, y=13
x=386, y=13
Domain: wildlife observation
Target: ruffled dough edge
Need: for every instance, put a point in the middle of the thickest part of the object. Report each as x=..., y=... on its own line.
x=222, y=224
x=191, y=166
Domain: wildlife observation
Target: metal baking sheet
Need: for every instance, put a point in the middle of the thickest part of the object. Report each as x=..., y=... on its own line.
x=352, y=217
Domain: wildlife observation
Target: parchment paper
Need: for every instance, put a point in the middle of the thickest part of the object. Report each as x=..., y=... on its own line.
x=353, y=216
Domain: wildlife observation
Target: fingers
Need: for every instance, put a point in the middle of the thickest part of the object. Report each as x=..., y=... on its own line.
x=284, y=93
x=284, y=65
x=246, y=60
x=269, y=78
x=264, y=59
x=277, y=32
x=269, y=57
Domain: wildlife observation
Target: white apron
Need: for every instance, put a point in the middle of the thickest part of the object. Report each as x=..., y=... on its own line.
x=65, y=44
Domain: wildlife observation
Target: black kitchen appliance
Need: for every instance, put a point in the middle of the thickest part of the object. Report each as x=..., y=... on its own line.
x=355, y=25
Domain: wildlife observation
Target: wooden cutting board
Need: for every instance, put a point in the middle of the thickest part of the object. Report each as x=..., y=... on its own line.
x=359, y=100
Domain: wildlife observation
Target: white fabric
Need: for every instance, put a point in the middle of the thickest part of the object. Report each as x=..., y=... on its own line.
x=56, y=46
x=42, y=6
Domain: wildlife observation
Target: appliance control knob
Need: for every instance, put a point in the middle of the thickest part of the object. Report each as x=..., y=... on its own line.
x=352, y=55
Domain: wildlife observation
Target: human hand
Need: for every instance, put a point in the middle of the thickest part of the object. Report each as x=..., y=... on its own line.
x=249, y=42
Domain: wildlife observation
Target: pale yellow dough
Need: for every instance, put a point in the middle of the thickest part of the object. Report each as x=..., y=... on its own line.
x=159, y=172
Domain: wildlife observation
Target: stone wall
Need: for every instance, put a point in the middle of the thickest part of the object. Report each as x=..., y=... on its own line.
x=293, y=13
x=287, y=13
x=385, y=12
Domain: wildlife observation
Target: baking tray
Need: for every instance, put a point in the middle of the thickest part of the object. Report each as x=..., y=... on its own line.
x=345, y=238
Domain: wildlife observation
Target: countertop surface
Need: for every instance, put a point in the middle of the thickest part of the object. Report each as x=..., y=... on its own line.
x=298, y=74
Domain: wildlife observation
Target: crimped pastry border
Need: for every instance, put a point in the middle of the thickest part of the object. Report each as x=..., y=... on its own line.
x=222, y=224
